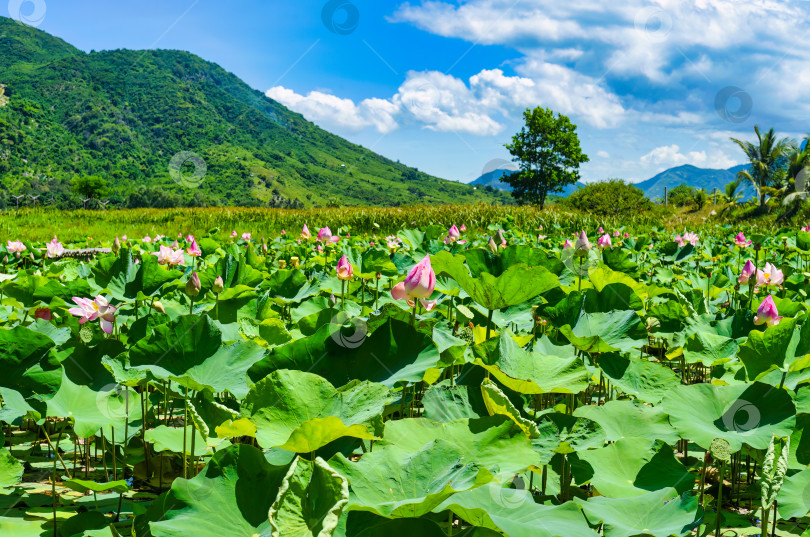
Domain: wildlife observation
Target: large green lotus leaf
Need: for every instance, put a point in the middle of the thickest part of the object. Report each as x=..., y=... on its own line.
x=481, y=260
x=396, y=482
x=234, y=271
x=231, y=304
x=366, y=524
x=60, y=336
x=563, y=433
x=708, y=348
x=794, y=496
x=394, y=352
x=310, y=501
x=606, y=332
x=635, y=466
x=602, y=277
x=659, y=514
x=171, y=439
x=648, y=381
x=497, y=403
x=15, y=408
x=515, y=513
x=11, y=471
x=190, y=351
x=630, y=419
x=92, y=409
x=530, y=372
x=443, y=402
x=32, y=288
x=232, y=495
x=739, y=413
x=84, y=486
x=302, y=412
x=612, y=297
x=513, y=286
x=619, y=259
x=26, y=363
x=776, y=346
x=21, y=527
x=494, y=443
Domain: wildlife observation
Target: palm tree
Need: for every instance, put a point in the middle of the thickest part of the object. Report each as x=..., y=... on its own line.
x=768, y=158
x=733, y=194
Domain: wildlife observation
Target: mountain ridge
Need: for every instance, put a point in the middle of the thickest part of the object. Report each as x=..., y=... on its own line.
x=125, y=114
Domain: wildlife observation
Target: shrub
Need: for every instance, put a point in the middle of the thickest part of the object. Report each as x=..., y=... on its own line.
x=682, y=195
x=613, y=197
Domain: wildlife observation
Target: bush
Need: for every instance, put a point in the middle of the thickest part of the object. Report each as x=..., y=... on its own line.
x=613, y=197
x=682, y=195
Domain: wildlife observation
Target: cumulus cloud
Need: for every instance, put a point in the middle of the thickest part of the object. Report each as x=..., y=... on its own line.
x=330, y=110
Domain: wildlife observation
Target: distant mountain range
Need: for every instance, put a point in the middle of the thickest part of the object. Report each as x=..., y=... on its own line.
x=705, y=178
x=493, y=179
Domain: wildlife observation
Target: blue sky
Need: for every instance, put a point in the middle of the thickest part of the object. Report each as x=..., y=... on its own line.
x=441, y=85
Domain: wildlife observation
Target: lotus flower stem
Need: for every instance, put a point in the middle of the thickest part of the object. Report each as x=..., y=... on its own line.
x=146, y=455
x=185, y=436
x=343, y=295
x=53, y=492
x=114, y=458
x=489, y=322
x=720, y=497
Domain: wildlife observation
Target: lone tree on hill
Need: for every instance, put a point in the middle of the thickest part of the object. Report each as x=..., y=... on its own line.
x=548, y=153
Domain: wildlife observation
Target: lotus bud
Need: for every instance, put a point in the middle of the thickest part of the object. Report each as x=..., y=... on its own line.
x=5, y=260
x=294, y=262
x=218, y=285
x=501, y=238
x=193, y=285
x=157, y=305
x=344, y=269
x=491, y=246
x=582, y=245
x=116, y=246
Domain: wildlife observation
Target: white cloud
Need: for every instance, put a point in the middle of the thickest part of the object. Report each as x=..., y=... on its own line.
x=602, y=154
x=327, y=109
x=669, y=156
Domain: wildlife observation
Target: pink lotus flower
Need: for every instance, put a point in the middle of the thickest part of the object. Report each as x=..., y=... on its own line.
x=305, y=234
x=325, y=235
x=124, y=238
x=234, y=234
x=393, y=242
x=463, y=228
x=246, y=236
x=582, y=244
x=344, y=269
x=616, y=233
x=55, y=248
x=626, y=235
x=283, y=232
x=541, y=237
x=807, y=229
x=691, y=238
x=175, y=245
x=748, y=270
x=15, y=247
x=43, y=313
x=567, y=245
x=680, y=241
x=420, y=283
x=90, y=310
x=770, y=276
x=158, y=237
x=601, y=229
x=453, y=234
x=319, y=248
x=147, y=239
x=194, y=249
x=604, y=242
x=740, y=241
x=767, y=313
x=169, y=256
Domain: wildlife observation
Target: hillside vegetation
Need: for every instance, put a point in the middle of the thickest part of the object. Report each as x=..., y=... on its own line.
x=124, y=114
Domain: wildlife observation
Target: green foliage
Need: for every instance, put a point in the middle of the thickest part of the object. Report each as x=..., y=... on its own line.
x=682, y=195
x=613, y=197
x=126, y=114
x=548, y=153
x=90, y=186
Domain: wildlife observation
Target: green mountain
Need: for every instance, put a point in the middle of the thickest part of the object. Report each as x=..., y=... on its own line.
x=707, y=179
x=123, y=115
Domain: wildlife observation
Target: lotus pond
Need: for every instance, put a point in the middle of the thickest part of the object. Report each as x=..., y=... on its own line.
x=434, y=382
